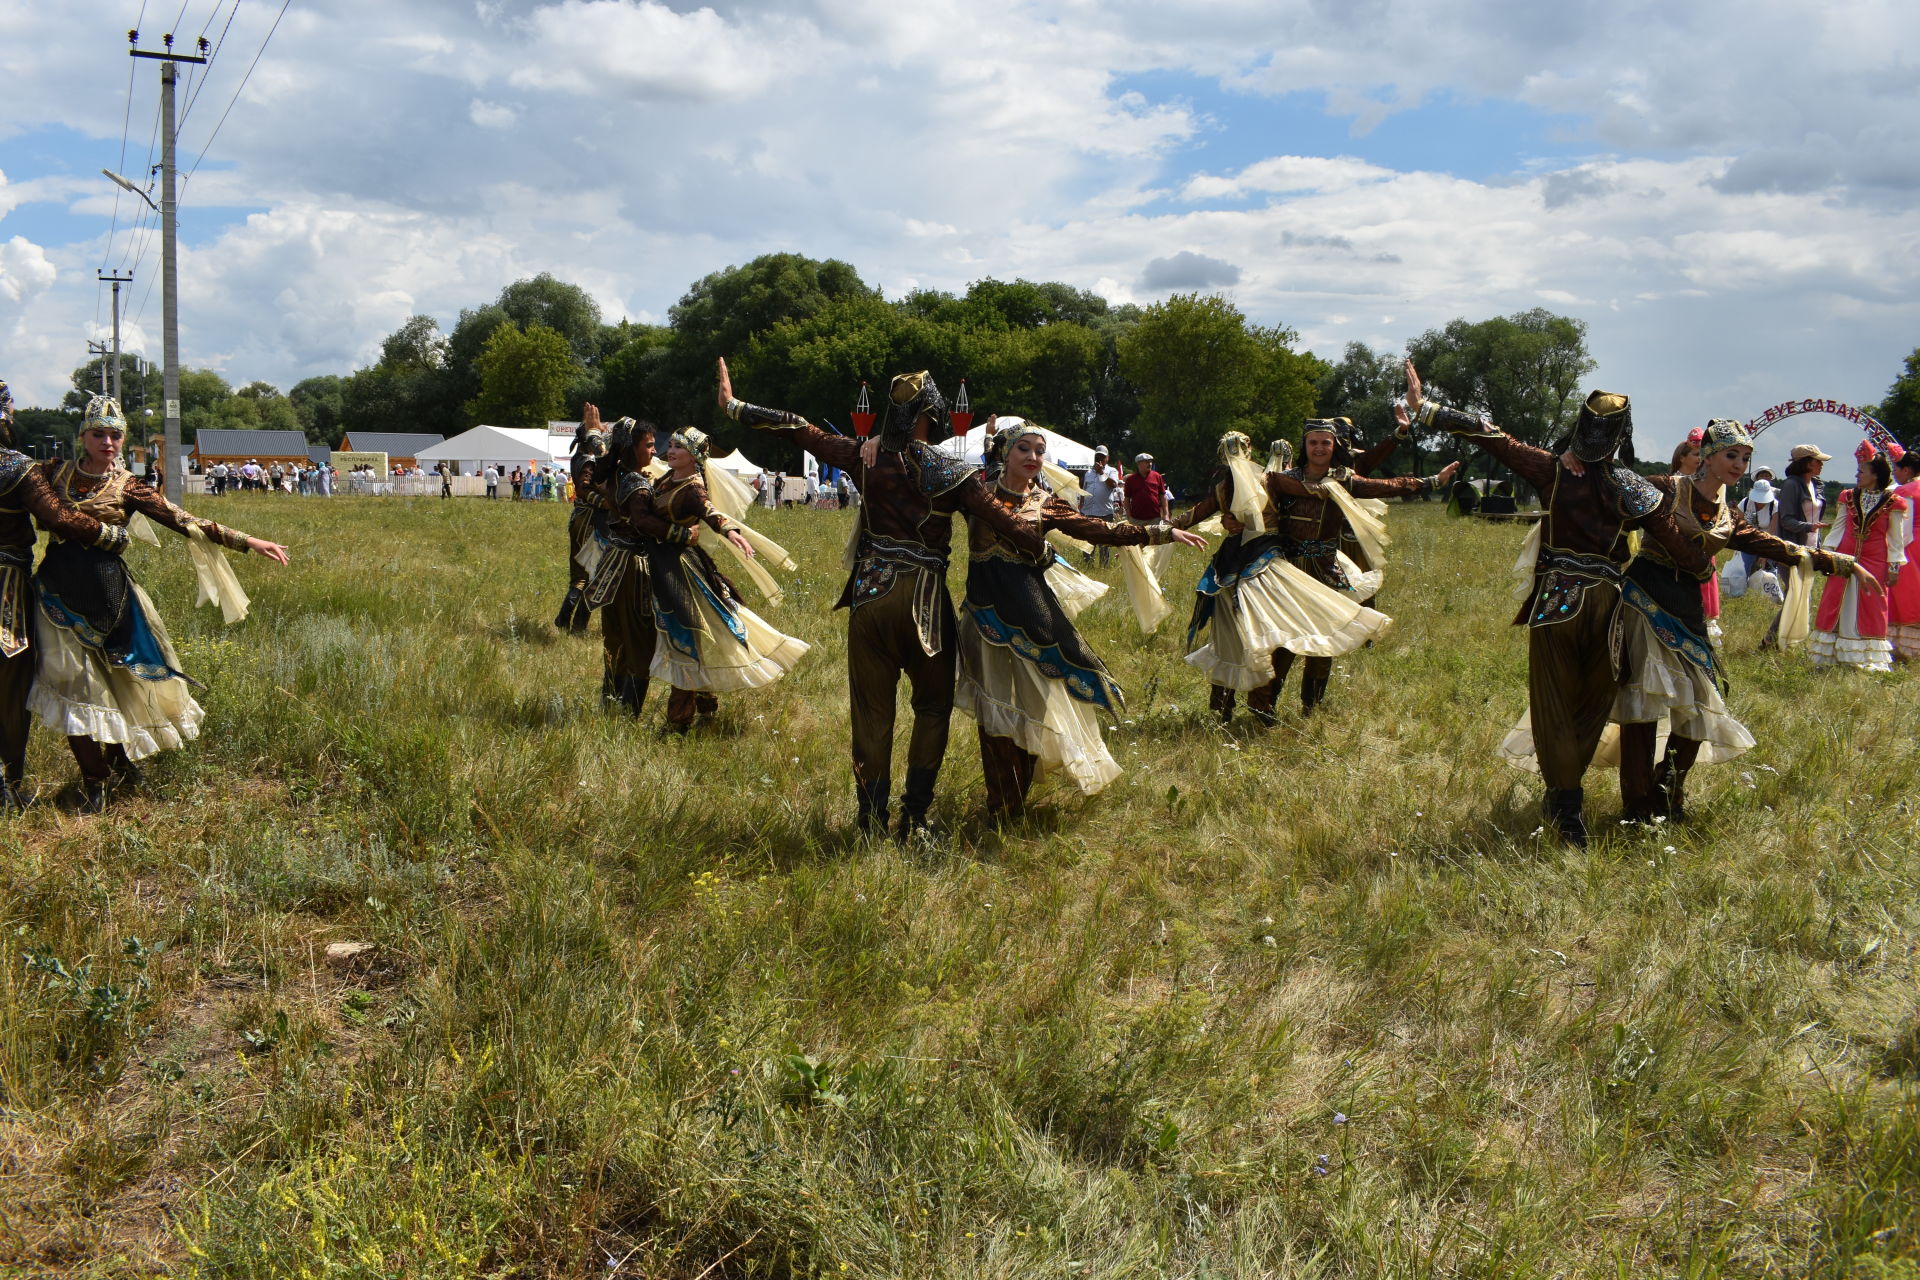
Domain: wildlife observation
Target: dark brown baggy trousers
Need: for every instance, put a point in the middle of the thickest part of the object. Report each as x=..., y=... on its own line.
x=626, y=630
x=16, y=678
x=883, y=644
x=1571, y=682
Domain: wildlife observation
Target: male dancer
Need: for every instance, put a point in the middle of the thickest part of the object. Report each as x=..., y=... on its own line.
x=900, y=619
x=25, y=496
x=1592, y=501
x=589, y=443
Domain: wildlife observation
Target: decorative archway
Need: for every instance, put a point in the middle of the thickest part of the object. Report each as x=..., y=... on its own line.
x=1868, y=424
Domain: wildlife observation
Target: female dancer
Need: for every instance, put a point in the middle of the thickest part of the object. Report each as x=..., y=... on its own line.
x=1874, y=525
x=1687, y=459
x=613, y=559
x=707, y=641
x=1671, y=673
x=1026, y=677
x=1258, y=597
x=107, y=676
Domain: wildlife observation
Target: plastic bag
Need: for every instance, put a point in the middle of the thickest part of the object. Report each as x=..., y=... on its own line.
x=1733, y=578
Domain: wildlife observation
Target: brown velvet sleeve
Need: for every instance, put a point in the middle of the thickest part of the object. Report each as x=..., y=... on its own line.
x=1765, y=545
x=1056, y=514
x=836, y=451
x=1399, y=486
x=1208, y=505
x=53, y=515
x=1370, y=459
x=149, y=502
x=639, y=515
x=1530, y=462
x=979, y=505
x=1686, y=553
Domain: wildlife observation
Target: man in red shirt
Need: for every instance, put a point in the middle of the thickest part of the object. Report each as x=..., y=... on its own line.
x=1147, y=502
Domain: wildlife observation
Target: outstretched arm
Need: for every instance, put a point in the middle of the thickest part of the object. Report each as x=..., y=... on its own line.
x=979, y=505
x=1531, y=463
x=64, y=521
x=148, y=501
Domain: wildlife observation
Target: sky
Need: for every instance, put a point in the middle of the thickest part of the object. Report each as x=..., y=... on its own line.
x=1725, y=194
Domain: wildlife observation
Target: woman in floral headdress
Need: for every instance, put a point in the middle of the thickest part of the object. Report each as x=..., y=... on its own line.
x=708, y=642
x=1671, y=676
x=1026, y=677
x=1686, y=464
x=107, y=675
x=1874, y=526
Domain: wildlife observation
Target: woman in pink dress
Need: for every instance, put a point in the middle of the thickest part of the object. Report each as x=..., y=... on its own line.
x=1874, y=526
x=1903, y=596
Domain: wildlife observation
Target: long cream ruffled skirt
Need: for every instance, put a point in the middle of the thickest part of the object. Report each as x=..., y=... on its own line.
x=1281, y=607
x=78, y=693
x=725, y=665
x=1009, y=698
x=1663, y=689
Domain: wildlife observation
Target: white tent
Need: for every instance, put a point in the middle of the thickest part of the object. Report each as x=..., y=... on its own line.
x=1061, y=450
x=505, y=447
x=739, y=464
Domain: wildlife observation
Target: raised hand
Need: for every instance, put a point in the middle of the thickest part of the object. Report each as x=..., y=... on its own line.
x=1413, y=388
x=725, y=392
x=590, y=416
x=1449, y=471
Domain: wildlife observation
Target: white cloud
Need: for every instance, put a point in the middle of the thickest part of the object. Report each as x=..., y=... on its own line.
x=403, y=158
x=492, y=115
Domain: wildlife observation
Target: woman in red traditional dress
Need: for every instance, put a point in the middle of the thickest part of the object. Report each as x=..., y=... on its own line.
x=1874, y=527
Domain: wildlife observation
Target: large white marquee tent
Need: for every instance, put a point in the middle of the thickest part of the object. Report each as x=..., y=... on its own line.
x=506, y=447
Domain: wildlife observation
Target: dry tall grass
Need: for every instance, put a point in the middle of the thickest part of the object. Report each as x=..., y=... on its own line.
x=1308, y=1002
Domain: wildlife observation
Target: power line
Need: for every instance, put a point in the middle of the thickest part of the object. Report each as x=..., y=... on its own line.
x=201, y=83
x=236, y=92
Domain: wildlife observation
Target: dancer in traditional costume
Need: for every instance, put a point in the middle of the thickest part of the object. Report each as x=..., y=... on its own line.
x=708, y=642
x=1578, y=552
x=1299, y=515
x=1903, y=589
x=1033, y=687
x=1687, y=458
x=26, y=497
x=900, y=616
x=1671, y=674
x=614, y=560
x=1875, y=525
x=107, y=675
x=589, y=505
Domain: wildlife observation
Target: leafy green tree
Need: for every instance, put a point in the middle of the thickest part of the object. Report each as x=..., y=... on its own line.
x=320, y=404
x=524, y=377
x=416, y=345
x=1202, y=371
x=140, y=384
x=632, y=373
x=1900, y=411
x=567, y=309
x=1523, y=371
x=1361, y=386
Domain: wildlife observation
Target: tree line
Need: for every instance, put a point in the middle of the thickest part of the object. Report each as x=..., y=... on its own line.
x=803, y=333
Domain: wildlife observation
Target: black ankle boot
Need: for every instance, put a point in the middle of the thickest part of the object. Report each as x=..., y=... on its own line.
x=1312, y=693
x=1670, y=789
x=870, y=807
x=916, y=798
x=1220, y=700
x=571, y=616
x=1563, y=809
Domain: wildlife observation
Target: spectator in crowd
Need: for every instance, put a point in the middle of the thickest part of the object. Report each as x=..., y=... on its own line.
x=841, y=487
x=1760, y=506
x=1801, y=503
x=1101, y=486
x=492, y=476
x=1148, y=501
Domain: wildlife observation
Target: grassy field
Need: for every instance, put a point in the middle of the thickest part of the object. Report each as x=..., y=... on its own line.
x=1317, y=1001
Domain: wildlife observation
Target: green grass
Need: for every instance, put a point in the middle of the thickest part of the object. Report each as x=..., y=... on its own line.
x=1308, y=1002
